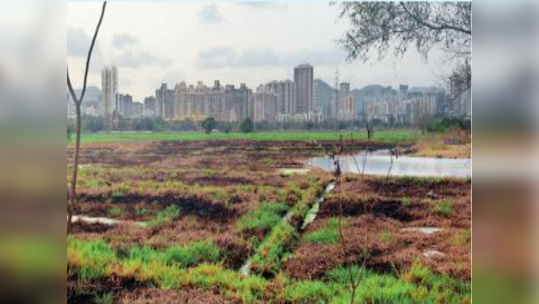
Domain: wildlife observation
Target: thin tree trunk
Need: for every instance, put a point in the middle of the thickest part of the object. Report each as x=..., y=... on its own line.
x=73, y=193
x=78, y=102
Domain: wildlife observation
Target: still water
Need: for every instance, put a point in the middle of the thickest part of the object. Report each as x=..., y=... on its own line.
x=379, y=162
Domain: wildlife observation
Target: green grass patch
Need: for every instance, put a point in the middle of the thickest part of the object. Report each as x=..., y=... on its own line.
x=417, y=285
x=444, y=209
x=115, y=211
x=311, y=292
x=385, y=236
x=104, y=298
x=165, y=216
x=268, y=257
x=390, y=136
x=405, y=202
x=329, y=234
x=322, y=236
x=184, y=256
x=142, y=212
x=163, y=269
x=93, y=258
x=265, y=217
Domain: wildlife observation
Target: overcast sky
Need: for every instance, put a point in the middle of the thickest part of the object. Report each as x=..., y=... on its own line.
x=168, y=41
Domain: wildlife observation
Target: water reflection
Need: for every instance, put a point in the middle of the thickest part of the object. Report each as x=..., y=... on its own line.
x=379, y=163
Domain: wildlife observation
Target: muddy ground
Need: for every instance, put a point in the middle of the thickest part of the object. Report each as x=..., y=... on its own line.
x=215, y=183
x=381, y=216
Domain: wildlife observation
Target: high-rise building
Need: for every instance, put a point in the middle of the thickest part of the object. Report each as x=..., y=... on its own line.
x=303, y=82
x=285, y=95
x=344, y=94
x=109, y=88
x=164, y=102
x=149, y=107
x=137, y=110
x=348, y=112
x=265, y=105
x=237, y=102
x=224, y=103
x=124, y=105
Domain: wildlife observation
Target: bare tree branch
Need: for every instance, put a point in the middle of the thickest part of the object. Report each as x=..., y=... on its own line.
x=72, y=202
x=71, y=90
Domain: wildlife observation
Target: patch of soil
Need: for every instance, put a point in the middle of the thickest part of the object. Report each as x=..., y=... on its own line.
x=82, y=227
x=94, y=206
x=355, y=207
x=361, y=235
x=416, y=188
x=394, y=253
x=235, y=249
x=183, y=296
x=80, y=292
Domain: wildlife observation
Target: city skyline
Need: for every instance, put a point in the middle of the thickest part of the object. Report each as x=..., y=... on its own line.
x=303, y=100
x=224, y=48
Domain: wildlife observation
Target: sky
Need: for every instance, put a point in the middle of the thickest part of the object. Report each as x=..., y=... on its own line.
x=233, y=42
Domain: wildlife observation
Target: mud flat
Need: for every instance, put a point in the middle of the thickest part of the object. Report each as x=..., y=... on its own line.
x=208, y=207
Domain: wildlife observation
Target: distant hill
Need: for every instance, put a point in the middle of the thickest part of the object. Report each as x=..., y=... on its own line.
x=92, y=94
x=325, y=94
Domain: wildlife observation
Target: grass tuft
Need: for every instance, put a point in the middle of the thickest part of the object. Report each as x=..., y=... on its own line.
x=165, y=216
x=444, y=209
x=115, y=211
x=265, y=217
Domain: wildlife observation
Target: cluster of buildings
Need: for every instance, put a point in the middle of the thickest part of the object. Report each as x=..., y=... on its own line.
x=303, y=99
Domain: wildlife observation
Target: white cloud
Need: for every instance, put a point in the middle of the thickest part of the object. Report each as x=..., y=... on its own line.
x=123, y=40
x=78, y=42
x=134, y=58
x=209, y=14
x=227, y=57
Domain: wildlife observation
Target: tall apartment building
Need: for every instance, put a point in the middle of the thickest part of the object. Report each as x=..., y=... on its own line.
x=164, y=102
x=224, y=103
x=124, y=105
x=149, y=107
x=109, y=88
x=341, y=103
x=238, y=103
x=137, y=110
x=265, y=103
x=286, y=98
x=303, y=81
x=348, y=110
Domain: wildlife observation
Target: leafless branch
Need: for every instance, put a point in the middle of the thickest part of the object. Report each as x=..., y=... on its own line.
x=72, y=202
